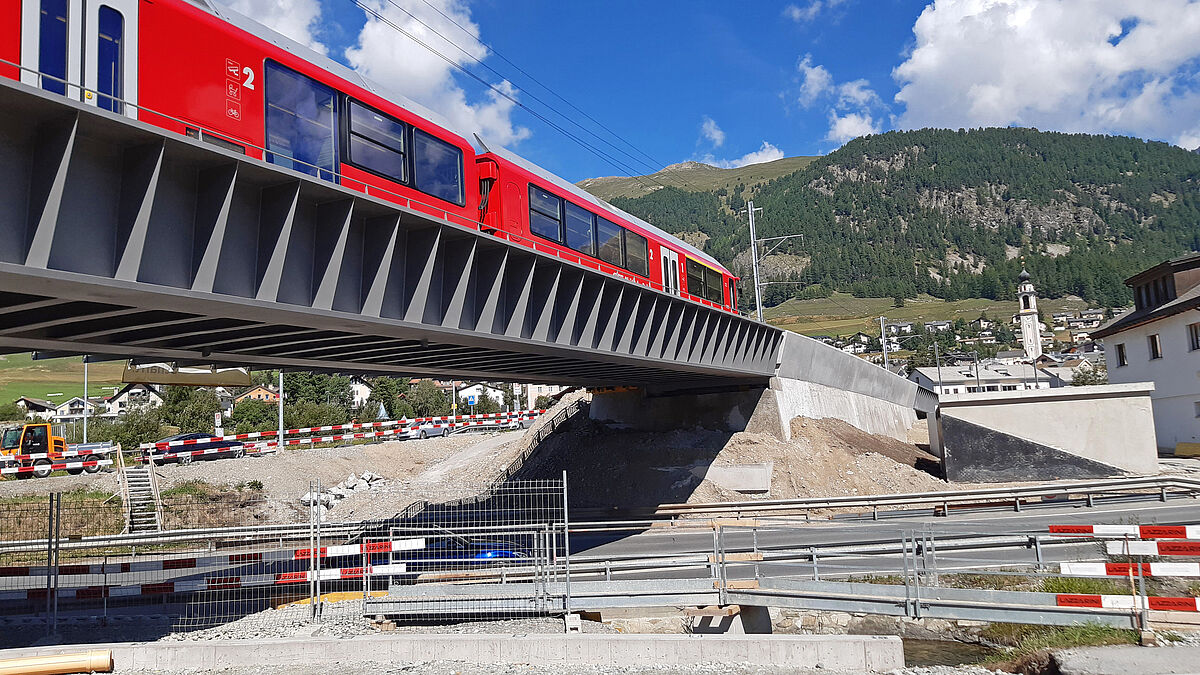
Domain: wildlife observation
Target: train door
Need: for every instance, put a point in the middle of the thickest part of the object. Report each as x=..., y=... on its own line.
x=670, y=262
x=110, y=55
x=82, y=49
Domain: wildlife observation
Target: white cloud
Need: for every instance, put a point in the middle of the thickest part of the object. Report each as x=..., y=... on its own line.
x=810, y=10
x=801, y=14
x=765, y=153
x=399, y=63
x=815, y=81
x=846, y=127
x=857, y=93
x=296, y=19
x=1100, y=66
x=711, y=132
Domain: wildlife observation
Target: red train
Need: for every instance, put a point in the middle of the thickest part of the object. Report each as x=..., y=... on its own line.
x=193, y=68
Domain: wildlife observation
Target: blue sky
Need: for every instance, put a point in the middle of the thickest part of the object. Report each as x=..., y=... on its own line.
x=736, y=82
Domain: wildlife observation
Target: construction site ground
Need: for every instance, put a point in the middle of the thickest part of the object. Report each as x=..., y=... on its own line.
x=606, y=466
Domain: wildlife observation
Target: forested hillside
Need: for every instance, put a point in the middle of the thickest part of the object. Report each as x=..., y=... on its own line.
x=950, y=213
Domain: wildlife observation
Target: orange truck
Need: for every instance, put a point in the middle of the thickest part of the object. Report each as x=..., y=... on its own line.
x=32, y=450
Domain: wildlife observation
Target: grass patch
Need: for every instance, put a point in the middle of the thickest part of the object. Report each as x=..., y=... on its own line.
x=1024, y=639
x=1085, y=586
x=993, y=582
x=883, y=579
x=193, y=489
x=844, y=314
x=20, y=376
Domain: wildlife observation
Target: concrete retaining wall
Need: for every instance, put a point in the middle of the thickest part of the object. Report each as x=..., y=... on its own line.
x=1071, y=432
x=832, y=652
x=807, y=360
x=796, y=398
x=813, y=380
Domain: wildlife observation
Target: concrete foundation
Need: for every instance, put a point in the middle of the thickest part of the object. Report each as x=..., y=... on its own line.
x=832, y=652
x=1072, y=432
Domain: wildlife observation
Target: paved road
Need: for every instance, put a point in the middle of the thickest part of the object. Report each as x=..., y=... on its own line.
x=1128, y=660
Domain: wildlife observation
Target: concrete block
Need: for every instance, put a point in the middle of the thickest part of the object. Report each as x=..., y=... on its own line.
x=754, y=478
x=840, y=652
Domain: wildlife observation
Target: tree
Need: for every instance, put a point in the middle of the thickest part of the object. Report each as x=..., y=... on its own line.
x=386, y=391
x=543, y=402
x=189, y=408
x=898, y=301
x=427, y=400
x=11, y=412
x=1082, y=377
x=251, y=415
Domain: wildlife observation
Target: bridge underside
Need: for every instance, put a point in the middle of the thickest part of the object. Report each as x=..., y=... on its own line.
x=119, y=240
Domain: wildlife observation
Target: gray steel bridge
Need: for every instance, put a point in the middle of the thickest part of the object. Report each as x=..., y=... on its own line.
x=119, y=240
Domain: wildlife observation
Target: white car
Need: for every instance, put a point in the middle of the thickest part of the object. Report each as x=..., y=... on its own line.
x=426, y=429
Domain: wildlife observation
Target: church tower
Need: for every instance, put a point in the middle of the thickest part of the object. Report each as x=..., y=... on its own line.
x=1031, y=329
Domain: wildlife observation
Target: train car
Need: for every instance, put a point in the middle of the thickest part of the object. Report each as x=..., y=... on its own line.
x=531, y=206
x=193, y=68
x=196, y=69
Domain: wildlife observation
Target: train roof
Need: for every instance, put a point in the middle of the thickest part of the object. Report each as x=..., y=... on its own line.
x=322, y=61
x=584, y=195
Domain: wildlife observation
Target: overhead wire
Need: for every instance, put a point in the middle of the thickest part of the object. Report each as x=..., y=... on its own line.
x=654, y=163
x=504, y=94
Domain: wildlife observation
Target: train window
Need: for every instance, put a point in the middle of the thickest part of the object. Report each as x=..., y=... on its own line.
x=377, y=143
x=579, y=229
x=52, y=45
x=716, y=291
x=545, y=214
x=608, y=242
x=637, y=256
x=695, y=278
x=437, y=168
x=300, y=123
x=109, y=58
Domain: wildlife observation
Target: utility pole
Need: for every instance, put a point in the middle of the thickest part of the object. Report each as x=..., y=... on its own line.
x=85, y=397
x=937, y=359
x=754, y=257
x=883, y=342
x=978, y=386
x=280, y=398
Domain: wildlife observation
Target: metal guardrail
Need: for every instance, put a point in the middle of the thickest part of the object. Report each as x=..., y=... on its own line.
x=1164, y=485
x=1089, y=489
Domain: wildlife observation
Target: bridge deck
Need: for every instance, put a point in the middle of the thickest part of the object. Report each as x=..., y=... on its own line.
x=119, y=239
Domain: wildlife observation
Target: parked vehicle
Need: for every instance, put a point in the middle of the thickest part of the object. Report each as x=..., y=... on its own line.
x=203, y=448
x=35, y=448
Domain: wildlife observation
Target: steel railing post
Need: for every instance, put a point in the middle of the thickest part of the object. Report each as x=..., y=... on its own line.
x=1145, y=614
x=567, y=540
x=904, y=564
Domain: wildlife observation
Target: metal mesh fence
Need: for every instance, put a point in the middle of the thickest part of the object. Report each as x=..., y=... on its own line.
x=502, y=553
x=69, y=562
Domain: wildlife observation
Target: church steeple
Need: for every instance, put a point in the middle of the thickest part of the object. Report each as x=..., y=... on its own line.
x=1031, y=328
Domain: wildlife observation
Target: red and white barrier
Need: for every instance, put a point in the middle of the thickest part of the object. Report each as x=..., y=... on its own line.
x=1128, y=602
x=1140, y=531
x=255, y=435
x=56, y=467
x=1154, y=569
x=209, y=583
x=58, y=455
x=227, y=560
x=1153, y=547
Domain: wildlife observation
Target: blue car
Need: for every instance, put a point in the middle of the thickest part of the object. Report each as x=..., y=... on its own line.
x=180, y=453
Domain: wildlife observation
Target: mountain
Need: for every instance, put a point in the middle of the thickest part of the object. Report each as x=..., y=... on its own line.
x=692, y=176
x=947, y=213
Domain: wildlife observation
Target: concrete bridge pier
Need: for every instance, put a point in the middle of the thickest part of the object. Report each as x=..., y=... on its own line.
x=811, y=380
